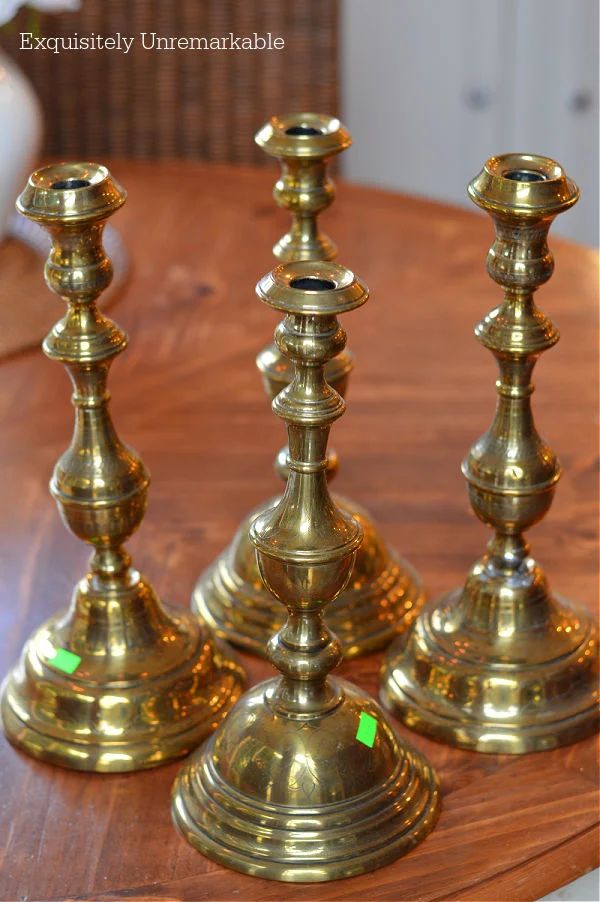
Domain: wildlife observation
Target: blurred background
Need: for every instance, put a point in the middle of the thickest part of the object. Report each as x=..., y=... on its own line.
x=431, y=89
x=428, y=88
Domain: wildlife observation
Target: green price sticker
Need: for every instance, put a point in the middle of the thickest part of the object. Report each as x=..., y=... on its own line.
x=367, y=730
x=65, y=660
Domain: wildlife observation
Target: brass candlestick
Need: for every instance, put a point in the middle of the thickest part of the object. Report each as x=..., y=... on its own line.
x=118, y=681
x=502, y=665
x=285, y=788
x=304, y=143
x=385, y=592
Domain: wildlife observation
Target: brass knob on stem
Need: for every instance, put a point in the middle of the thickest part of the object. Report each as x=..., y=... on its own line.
x=385, y=593
x=118, y=681
x=502, y=665
x=286, y=789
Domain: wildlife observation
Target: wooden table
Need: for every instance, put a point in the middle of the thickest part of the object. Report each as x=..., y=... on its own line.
x=186, y=395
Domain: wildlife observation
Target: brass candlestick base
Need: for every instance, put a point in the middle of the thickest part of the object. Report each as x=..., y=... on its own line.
x=503, y=665
x=289, y=788
x=118, y=681
x=462, y=682
x=303, y=800
x=385, y=593
x=150, y=686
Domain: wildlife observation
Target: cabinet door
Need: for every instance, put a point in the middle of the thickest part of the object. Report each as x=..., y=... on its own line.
x=431, y=88
x=556, y=98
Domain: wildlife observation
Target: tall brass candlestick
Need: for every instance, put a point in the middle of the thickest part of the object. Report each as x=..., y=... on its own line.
x=287, y=788
x=118, y=681
x=385, y=593
x=503, y=665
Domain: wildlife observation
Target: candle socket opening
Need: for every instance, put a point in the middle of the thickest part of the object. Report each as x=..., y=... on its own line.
x=312, y=283
x=525, y=175
x=303, y=130
x=69, y=184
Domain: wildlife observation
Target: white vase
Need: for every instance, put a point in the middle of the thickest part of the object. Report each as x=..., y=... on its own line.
x=20, y=134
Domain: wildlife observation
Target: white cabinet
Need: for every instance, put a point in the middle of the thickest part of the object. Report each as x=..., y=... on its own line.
x=431, y=88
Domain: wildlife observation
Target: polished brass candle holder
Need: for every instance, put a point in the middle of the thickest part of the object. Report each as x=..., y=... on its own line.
x=385, y=592
x=118, y=681
x=306, y=779
x=503, y=665
x=304, y=143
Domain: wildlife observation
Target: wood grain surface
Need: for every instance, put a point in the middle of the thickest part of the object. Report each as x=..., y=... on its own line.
x=187, y=396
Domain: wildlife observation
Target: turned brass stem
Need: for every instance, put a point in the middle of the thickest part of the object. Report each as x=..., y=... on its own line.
x=305, y=650
x=305, y=537
x=303, y=143
x=99, y=484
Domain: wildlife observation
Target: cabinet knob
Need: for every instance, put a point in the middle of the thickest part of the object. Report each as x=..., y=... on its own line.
x=478, y=98
x=580, y=101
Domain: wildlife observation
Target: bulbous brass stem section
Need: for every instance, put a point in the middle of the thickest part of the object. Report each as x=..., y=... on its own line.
x=503, y=665
x=118, y=681
x=285, y=789
x=384, y=593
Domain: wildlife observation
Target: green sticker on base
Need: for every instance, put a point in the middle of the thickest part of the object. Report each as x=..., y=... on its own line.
x=65, y=660
x=367, y=730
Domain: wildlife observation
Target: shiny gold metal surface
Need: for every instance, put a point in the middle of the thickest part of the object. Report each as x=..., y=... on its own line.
x=385, y=593
x=285, y=789
x=304, y=143
x=503, y=665
x=117, y=681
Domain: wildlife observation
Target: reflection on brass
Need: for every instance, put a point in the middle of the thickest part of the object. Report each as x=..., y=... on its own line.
x=304, y=143
x=118, y=681
x=503, y=665
x=384, y=593
x=285, y=789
